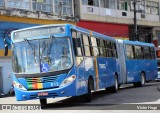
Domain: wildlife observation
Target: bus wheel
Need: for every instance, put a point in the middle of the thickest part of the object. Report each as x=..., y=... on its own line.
x=142, y=82
x=88, y=96
x=43, y=102
x=115, y=88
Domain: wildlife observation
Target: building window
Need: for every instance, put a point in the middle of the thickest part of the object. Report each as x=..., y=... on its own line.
x=18, y=4
x=91, y=2
x=148, y=7
x=107, y=4
x=140, y=6
x=63, y=7
x=152, y=7
x=1, y=2
x=104, y=3
x=85, y=2
x=123, y=5
x=112, y=4
x=42, y=5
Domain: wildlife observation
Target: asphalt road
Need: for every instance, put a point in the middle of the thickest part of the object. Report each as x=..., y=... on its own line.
x=128, y=98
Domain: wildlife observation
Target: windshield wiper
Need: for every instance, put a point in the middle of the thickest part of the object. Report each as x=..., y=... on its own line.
x=47, y=45
x=33, y=48
x=50, y=42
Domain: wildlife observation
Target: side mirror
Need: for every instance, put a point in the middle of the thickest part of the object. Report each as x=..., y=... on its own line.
x=5, y=50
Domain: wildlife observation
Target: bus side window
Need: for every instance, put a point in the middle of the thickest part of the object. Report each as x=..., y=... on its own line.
x=101, y=48
x=94, y=46
x=108, y=46
x=114, y=50
x=146, y=51
x=100, y=45
x=138, y=52
x=152, y=52
x=77, y=46
x=130, y=52
x=86, y=45
x=77, y=43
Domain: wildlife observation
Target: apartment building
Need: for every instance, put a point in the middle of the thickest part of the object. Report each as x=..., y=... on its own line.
x=116, y=18
x=16, y=14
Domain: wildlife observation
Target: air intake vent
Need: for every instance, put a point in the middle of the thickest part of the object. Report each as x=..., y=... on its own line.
x=35, y=80
x=124, y=14
x=142, y=15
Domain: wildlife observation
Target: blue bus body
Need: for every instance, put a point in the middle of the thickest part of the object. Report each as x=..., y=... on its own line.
x=66, y=60
x=133, y=64
x=92, y=69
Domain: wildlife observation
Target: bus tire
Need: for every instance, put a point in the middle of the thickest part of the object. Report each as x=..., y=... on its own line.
x=142, y=81
x=115, y=87
x=43, y=102
x=88, y=96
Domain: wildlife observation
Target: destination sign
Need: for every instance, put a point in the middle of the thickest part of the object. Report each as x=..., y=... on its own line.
x=41, y=31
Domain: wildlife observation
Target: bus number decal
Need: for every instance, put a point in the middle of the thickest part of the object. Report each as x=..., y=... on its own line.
x=102, y=66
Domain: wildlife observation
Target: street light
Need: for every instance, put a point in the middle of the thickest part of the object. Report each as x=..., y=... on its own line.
x=135, y=19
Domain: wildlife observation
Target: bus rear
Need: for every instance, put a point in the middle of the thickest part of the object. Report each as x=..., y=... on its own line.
x=138, y=62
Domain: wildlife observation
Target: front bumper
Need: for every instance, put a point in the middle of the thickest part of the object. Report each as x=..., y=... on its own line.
x=68, y=90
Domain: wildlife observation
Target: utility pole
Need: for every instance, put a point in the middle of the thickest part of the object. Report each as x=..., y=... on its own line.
x=135, y=19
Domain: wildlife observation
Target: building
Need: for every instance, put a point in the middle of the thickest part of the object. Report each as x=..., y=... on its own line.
x=16, y=14
x=115, y=18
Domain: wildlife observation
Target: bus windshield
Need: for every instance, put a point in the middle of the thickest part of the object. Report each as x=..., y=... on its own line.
x=42, y=55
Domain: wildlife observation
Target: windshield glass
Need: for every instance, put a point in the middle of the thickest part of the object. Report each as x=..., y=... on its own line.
x=44, y=55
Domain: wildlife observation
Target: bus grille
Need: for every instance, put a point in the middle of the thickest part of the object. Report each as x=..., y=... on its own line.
x=35, y=80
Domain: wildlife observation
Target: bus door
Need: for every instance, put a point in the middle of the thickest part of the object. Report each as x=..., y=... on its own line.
x=79, y=61
x=101, y=75
x=98, y=62
x=88, y=56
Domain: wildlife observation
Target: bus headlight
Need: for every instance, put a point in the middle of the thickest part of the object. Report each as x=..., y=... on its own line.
x=18, y=85
x=68, y=80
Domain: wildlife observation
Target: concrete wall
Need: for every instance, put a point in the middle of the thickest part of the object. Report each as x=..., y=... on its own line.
x=115, y=16
x=6, y=78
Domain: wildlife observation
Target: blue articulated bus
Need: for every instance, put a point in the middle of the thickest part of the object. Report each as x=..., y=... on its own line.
x=62, y=60
x=138, y=62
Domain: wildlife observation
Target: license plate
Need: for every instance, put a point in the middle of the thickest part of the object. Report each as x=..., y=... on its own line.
x=43, y=94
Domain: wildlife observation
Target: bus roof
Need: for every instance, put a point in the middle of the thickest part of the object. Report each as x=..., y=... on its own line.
x=97, y=35
x=138, y=43
x=38, y=26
